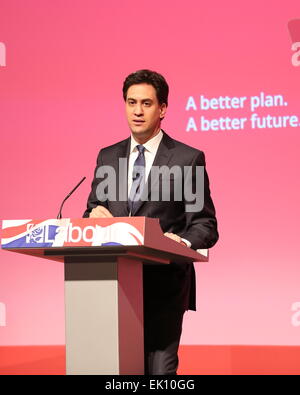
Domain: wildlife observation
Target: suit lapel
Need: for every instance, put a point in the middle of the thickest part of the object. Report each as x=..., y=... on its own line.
x=122, y=152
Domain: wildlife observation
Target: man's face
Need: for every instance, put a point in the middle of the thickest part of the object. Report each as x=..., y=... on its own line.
x=143, y=111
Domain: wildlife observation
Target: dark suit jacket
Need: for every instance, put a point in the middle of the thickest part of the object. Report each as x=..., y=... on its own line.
x=166, y=286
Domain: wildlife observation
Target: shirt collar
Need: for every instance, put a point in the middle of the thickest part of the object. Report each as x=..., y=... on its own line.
x=150, y=145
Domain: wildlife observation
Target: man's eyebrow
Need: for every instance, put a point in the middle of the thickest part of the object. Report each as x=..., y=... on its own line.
x=143, y=100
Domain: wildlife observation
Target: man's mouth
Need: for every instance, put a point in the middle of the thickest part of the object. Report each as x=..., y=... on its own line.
x=138, y=121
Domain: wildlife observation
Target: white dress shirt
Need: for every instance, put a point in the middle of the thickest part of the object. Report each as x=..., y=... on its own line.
x=151, y=147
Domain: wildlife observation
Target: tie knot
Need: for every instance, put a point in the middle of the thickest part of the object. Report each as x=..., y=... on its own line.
x=140, y=148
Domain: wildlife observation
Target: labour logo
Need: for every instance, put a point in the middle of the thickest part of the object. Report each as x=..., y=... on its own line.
x=36, y=236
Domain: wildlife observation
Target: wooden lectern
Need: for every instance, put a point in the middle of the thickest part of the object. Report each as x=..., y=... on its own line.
x=103, y=261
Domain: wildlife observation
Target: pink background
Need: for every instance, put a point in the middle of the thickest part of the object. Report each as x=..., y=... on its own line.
x=61, y=101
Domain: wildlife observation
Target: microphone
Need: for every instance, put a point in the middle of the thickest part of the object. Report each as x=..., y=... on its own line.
x=59, y=216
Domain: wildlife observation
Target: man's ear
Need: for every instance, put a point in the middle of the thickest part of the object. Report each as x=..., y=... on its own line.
x=163, y=110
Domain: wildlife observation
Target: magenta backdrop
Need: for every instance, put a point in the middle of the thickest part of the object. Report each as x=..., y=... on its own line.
x=62, y=65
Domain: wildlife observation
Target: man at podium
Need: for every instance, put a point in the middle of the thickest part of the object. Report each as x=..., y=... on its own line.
x=169, y=290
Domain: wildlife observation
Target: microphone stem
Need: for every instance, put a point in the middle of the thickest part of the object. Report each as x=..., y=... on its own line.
x=59, y=216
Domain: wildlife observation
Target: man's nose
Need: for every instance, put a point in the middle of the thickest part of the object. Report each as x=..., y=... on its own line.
x=138, y=109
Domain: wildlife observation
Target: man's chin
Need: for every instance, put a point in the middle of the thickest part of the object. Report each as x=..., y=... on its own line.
x=142, y=134
x=137, y=132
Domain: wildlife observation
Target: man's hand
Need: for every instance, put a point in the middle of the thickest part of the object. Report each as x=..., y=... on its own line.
x=174, y=237
x=100, y=212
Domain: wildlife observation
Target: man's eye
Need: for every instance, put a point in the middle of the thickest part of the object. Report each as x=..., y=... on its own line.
x=147, y=103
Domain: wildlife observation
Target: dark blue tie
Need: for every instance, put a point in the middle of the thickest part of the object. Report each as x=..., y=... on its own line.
x=138, y=180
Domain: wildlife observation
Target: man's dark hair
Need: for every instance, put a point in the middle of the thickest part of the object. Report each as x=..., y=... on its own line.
x=151, y=78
